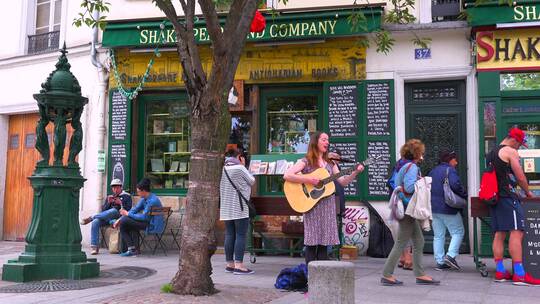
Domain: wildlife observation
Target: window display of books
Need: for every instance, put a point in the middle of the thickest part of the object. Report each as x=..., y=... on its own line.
x=258, y=167
x=167, y=145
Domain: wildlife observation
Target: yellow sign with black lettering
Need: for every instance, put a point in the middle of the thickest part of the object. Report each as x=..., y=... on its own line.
x=339, y=59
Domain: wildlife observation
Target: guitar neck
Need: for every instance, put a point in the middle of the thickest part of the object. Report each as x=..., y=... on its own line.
x=341, y=173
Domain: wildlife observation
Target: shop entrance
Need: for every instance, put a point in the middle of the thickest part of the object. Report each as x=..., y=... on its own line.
x=435, y=114
x=21, y=162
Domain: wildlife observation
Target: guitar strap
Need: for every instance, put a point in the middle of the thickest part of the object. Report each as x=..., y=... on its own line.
x=240, y=196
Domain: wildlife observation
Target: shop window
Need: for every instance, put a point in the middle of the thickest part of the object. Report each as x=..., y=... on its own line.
x=290, y=119
x=520, y=81
x=47, y=27
x=167, y=144
x=530, y=157
x=490, y=126
x=289, y=122
x=240, y=136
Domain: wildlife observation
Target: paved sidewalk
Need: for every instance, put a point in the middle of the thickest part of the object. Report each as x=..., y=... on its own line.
x=466, y=286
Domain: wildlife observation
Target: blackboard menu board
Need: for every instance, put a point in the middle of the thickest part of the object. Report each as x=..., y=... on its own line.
x=347, y=150
x=119, y=116
x=342, y=110
x=378, y=108
x=377, y=172
x=119, y=162
x=531, y=239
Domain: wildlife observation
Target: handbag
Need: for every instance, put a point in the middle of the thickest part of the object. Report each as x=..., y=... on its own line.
x=450, y=198
x=251, y=207
x=397, y=211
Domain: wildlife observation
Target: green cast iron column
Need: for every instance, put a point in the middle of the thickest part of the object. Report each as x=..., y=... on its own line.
x=53, y=249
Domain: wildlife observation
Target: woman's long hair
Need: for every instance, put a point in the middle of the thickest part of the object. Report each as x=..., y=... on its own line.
x=312, y=155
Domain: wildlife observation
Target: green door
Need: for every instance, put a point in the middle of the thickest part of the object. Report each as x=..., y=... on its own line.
x=435, y=114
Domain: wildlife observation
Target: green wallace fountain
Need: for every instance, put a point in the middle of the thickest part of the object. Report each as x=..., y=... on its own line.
x=53, y=240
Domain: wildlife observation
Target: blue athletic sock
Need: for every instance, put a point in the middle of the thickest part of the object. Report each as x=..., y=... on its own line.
x=500, y=265
x=518, y=269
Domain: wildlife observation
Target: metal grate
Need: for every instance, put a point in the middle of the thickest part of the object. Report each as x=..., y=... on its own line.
x=43, y=43
x=127, y=272
x=445, y=10
x=120, y=274
x=53, y=285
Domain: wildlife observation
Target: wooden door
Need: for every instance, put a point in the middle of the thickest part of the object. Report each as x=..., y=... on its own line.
x=21, y=162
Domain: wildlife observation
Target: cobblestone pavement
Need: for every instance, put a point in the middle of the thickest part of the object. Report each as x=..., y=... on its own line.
x=229, y=294
x=466, y=286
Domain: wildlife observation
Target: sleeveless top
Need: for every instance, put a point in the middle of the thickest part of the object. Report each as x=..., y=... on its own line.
x=506, y=180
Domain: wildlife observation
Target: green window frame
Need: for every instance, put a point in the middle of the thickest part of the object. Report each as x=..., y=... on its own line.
x=164, y=134
x=289, y=91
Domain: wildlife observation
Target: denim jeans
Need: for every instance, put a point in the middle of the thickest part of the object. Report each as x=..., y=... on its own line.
x=235, y=239
x=454, y=224
x=100, y=219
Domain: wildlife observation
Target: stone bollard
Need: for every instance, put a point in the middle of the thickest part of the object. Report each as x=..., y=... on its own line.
x=331, y=282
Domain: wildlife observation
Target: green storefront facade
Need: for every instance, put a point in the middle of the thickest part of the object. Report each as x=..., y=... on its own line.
x=507, y=60
x=284, y=81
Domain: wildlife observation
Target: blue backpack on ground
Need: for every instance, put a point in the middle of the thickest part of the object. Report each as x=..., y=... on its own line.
x=293, y=279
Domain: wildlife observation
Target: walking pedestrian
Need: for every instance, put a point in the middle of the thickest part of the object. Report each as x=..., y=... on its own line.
x=444, y=216
x=409, y=228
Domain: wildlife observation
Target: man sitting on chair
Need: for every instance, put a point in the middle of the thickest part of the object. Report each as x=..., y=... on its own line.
x=110, y=211
x=133, y=221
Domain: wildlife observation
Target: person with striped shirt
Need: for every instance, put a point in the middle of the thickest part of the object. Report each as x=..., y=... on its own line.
x=234, y=211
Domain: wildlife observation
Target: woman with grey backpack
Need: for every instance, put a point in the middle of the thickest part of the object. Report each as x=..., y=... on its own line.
x=446, y=211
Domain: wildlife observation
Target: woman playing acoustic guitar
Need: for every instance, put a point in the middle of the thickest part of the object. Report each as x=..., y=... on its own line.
x=320, y=224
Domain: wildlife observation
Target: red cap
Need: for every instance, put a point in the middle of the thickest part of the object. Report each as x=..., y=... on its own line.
x=518, y=135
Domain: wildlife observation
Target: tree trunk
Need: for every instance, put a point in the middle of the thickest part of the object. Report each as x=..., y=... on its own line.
x=209, y=135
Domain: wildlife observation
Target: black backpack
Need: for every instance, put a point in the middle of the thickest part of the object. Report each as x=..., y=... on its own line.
x=380, y=237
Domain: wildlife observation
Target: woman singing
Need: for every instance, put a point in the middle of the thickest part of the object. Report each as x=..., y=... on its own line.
x=320, y=224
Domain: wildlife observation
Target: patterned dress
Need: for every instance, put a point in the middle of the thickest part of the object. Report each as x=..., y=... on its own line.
x=320, y=224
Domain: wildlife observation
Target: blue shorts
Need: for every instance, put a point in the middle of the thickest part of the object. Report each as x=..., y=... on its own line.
x=507, y=215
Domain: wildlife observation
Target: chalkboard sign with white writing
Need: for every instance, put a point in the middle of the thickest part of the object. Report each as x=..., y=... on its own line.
x=377, y=172
x=118, y=163
x=119, y=116
x=342, y=110
x=531, y=239
x=378, y=108
x=348, y=151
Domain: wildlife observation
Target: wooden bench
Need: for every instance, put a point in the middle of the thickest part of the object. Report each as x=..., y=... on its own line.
x=273, y=206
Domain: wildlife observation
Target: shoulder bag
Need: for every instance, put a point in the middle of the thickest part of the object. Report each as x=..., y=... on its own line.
x=252, y=211
x=450, y=198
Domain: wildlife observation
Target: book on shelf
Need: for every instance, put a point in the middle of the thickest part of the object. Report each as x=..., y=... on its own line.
x=271, y=168
x=159, y=126
x=172, y=146
x=157, y=165
x=254, y=165
x=174, y=166
x=263, y=167
x=281, y=166
x=169, y=183
x=182, y=146
x=312, y=125
x=183, y=167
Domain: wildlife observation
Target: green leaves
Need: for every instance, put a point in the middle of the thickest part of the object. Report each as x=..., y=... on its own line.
x=384, y=41
x=87, y=17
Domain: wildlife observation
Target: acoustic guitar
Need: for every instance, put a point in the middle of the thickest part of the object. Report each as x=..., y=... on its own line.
x=303, y=197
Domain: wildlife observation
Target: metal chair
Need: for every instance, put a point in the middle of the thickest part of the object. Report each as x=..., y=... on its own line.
x=158, y=237
x=177, y=232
